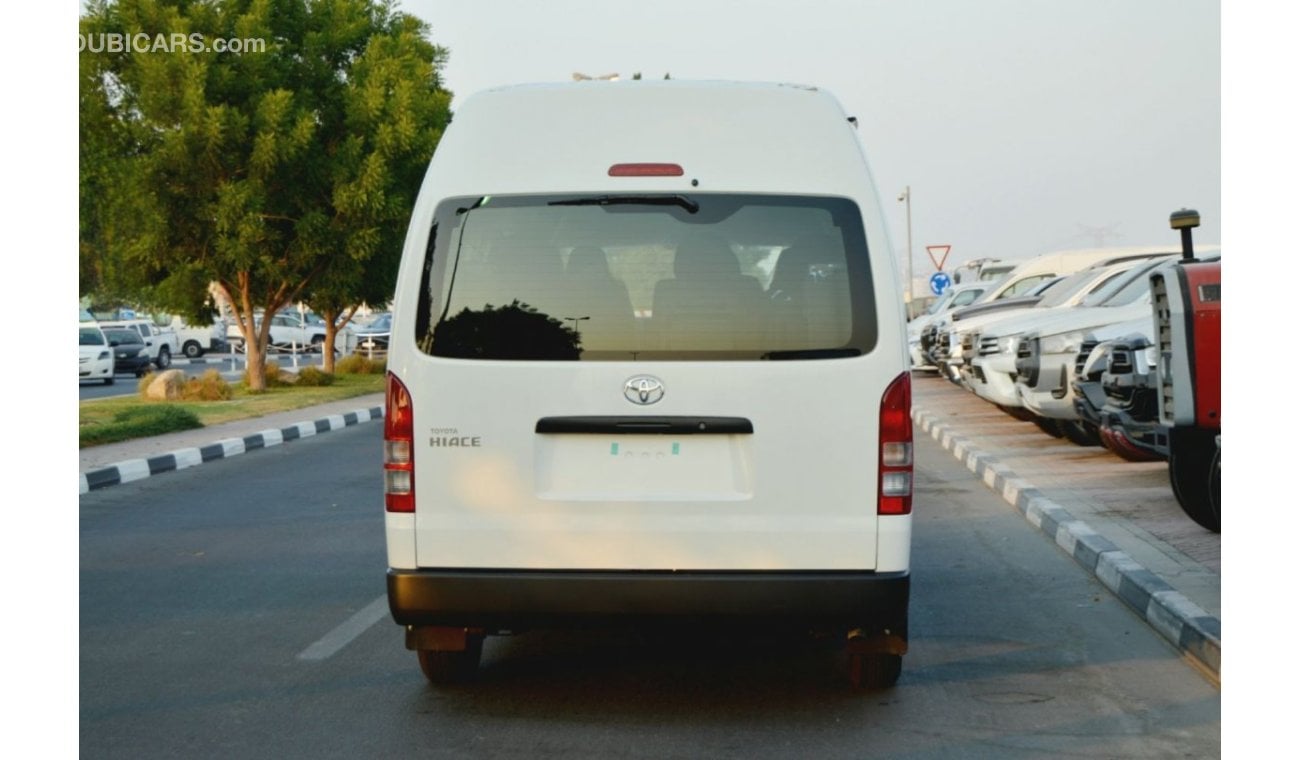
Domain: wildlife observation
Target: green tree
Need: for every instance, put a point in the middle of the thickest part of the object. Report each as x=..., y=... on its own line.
x=270, y=172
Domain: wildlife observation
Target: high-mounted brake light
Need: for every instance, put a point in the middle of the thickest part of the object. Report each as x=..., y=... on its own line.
x=895, y=484
x=646, y=170
x=399, y=463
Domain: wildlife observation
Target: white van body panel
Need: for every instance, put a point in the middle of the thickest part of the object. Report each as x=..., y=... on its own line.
x=799, y=493
x=723, y=134
x=757, y=502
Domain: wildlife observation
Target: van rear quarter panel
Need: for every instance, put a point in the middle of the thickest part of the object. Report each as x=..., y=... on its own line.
x=803, y=495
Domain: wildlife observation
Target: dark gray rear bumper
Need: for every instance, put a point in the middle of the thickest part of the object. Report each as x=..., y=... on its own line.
x=519, y=599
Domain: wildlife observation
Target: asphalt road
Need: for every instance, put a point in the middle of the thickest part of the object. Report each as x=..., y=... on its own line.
x=236, y=610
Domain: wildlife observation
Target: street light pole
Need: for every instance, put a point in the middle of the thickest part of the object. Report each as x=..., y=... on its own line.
x=907, y=197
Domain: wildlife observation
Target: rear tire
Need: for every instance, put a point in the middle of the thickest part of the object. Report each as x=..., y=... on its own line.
x=443, y=668
x=1191, y=456
x=192, y=349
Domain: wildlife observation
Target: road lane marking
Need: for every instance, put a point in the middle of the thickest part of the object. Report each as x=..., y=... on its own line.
x=349, y=629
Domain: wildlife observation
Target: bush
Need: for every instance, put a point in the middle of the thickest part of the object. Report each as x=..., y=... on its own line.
x=143, y=384
x=358, y=364
x=314, y=376
x=210, y=386
x=139, y=422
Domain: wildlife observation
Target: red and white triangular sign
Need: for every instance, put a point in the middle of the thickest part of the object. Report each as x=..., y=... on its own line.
x=940, y=249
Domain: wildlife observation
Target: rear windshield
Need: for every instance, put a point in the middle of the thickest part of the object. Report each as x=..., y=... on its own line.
x=647, y=277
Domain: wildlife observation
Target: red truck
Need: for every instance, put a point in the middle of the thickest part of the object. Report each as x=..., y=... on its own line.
x=1186, y=305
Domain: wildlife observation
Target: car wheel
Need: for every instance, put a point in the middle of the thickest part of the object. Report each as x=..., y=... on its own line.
x=164, y=358
x=109, y=380
x=874, y=671
x=1191, y=455
x=192, y=349
x=451, y=667
x=1081, y=433
x=318, y=344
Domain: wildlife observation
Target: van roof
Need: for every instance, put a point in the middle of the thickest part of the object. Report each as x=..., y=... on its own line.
x=727, y=137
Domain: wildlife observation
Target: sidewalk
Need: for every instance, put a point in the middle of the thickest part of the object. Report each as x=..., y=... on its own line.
x=1118, y=519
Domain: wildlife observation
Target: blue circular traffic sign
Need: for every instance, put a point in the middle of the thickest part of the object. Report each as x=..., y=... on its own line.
x=939, y=282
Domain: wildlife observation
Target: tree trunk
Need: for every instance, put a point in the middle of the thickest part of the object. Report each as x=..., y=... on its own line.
x=332, y=317
x=254, y=356
x=255, y=339
x=327, y=350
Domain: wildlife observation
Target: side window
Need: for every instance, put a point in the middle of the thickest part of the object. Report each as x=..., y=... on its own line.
x=965, y=297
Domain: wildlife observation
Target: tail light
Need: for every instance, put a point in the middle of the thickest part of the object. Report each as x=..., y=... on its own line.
x=895, y=486
x=399, y=465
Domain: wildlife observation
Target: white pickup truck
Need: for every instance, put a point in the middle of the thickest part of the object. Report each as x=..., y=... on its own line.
x=289, y=332
x=197, y=340
x=160, y=342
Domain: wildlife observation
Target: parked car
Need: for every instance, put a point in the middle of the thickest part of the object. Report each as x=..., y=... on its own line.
x=990, y=349
x=953, y=298
x=944, y=340
x=160, y=343
x=291, y=331
x=96, y=354
x=1046, y=356
x=130, y=357
x=197, y=340
x=372, y=337
x=1029, y=275
x=1114, y=391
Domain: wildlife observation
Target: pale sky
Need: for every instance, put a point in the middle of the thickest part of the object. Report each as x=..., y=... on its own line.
x=1021, y=127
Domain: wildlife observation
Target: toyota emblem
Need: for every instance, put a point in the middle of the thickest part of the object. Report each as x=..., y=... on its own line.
x=643, y=390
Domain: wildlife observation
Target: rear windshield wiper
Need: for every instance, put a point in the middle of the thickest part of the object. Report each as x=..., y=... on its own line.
x=632, y=200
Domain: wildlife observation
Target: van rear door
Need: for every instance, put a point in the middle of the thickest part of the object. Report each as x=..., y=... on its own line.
x=653, y=382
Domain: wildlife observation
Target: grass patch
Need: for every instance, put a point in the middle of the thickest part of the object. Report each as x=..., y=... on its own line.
x=139, y=422
x=99, y=414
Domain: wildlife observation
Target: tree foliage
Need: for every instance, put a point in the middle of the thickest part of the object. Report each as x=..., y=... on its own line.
x=276, y=174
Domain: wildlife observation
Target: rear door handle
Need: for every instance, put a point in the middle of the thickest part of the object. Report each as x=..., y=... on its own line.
x=613, y=425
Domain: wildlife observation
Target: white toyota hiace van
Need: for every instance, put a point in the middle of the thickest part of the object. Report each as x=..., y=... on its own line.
x=648, y=365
